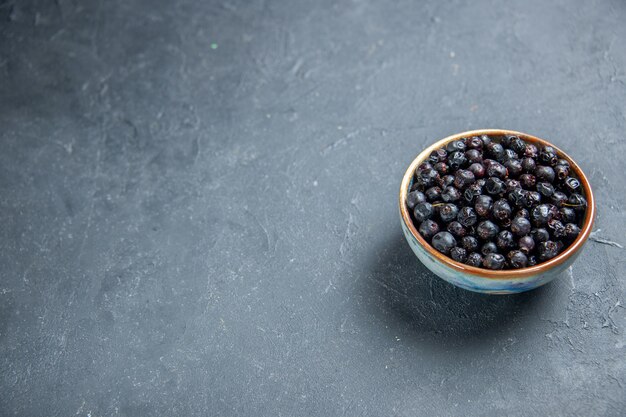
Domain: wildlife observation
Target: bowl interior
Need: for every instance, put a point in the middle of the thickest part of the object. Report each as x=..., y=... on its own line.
x=511, y=273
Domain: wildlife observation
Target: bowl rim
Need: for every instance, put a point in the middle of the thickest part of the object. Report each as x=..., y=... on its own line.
x=509, y=273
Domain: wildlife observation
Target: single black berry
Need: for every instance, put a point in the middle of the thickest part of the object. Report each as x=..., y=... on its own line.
x=494, y=261
x=505, y=240
x=547, y=250
x=517, y=259
x=489, y=247
x=469, y=243
x=477, y=169
x=423, y=211
x=540, y=234
x=450, y=194
x=501, y=209
x=487, y=230
x=463, y=178
x=414, y=198
x=474, y=259
x=467, y=216
x=526, y=244
x=458, y=254
x=495, y=186
x=428, y=229
x=448, y=212
x=433, y=193
x=482, y=205
x=444, y=242
x=456, y=229
x=520, y=226
x=544, y=173
x=474, y=155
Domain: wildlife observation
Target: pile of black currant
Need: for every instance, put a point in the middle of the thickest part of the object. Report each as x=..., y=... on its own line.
x=497, y=202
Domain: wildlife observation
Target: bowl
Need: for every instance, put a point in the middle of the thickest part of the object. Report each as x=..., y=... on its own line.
x=484, y=280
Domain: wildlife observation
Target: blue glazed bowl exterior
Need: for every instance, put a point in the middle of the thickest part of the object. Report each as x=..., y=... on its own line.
x=484, y=280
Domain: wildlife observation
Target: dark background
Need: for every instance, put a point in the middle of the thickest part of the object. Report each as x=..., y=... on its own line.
x=198, y=208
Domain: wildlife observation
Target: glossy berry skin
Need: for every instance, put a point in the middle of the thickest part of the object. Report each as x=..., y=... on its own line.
x=474, y=259
x=540, y=235
x=522, y=213
x=471, y=192
x=463, y=178
x=559, y=198
x=561, y=171
x=531, y=151
x=543, y=213
x=528, y=181
x=467, y=216
x=532, y=198
x=458, y=254
x=513, y=167
x=448, y=212
x=441, y=168
x=450, y=194
x=544, y=173
x=438, y=155
x=454, y=146
x=532, y=260
x=556, y=228
x=495, y=186
x=517, y=259
x=457, y=160
x=529, y=165
x=526, y=244
x=545, y=189
x=444, y=242
x=509, y=154
x=505, y=240
x=447, y=180
x=423, y=211
x=486, y=140
x=518, y=145
x=433, y=194
x=496, y=169
x=428, y=229
x=571, y=231
x=501, y=209
x=489, y=247
x=577, y=202
x=512, y=184
x=548, y=156
x=477, y=169
x=517, y=197
x=456, y=229
x=469, y=243
x=567, y=215
x=487, y=230
x=520, y=226
x=547, y=250
x=414, y=198
x=483, y=204
x=494, y=261
x=495, y=150
x=474, y=143
x=474, y=155
x=428, y=177
x=572, y=184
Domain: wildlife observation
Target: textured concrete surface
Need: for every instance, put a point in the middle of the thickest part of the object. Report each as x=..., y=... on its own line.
x=198, y=208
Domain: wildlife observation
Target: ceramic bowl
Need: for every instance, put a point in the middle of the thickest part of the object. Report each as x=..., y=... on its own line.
x=485, y=280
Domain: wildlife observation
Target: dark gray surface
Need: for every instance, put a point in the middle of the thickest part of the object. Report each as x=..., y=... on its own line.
x=195, y=229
